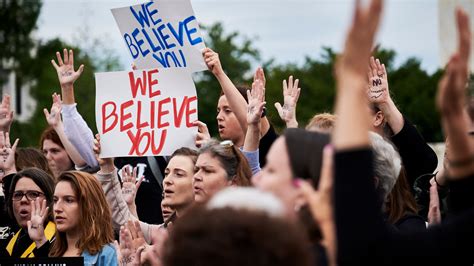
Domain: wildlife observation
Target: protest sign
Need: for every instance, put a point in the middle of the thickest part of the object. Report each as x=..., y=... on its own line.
x=162, y=34
x=145, y=112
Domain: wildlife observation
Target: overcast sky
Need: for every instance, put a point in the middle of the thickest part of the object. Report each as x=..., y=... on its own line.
x=285, y=30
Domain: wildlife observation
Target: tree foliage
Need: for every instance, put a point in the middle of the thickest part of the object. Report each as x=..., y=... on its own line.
x=412, y=88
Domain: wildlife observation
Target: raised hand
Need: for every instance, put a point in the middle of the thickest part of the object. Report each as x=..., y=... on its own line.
x=291, y=94
x=127, y=252
x=7, y=152
x=130, y=184
x=136, y=233
x=6, y=114
x=358, y=45
x=39, y=213
x=255, y=102
x=106, y=164
x=54, y=117
x=65, y=68
x=203, y=133
x=451, y=98
x=378, y=91
x=452, y=86
x=152, y=254
x=260, y=75
x=352, y=127
x=212, y=61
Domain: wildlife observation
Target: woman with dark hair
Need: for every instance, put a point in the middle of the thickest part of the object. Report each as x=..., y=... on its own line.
x=227, y=236
x=219, y=165
x=30, y=189
x=83, y=220
x=31, y=157
x=232, y=108
x=54, y=151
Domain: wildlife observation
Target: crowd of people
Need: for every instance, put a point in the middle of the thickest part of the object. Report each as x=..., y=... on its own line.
x=357, y=187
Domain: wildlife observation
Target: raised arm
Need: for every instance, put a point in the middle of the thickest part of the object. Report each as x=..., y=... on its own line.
x=254, y=115
x=379, y=94
x=75, y=128
x=351, y=130
x=418, y=157
x=451, y=100
x=54, y=120
x=236, y=101
x=108, y=178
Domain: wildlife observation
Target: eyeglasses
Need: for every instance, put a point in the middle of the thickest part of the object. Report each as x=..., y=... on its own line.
x=30, y=195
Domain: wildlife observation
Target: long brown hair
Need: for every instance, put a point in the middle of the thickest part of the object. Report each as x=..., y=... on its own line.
x=95, y=216
x=400, y=200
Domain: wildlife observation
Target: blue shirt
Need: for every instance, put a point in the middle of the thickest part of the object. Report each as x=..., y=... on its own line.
x=106, y=256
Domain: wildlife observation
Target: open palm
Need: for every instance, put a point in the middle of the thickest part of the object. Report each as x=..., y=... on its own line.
x=65, y=68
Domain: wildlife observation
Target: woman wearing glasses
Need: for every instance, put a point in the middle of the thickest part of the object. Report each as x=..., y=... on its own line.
x=31, y=190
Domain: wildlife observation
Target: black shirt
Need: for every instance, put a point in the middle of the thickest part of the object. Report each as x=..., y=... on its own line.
x=148, y=199
x=265, y=143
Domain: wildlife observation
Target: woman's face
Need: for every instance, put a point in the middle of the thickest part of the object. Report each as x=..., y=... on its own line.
x=209, y=178
x=276, y=177
x=66, y=208
x=58, y=160
x=27, y=189
x=227, y=123
x=178, y=182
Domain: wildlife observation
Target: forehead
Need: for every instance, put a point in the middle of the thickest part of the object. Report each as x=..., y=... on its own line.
x=26, y=183
x=49, y=144
x=205, y=159
x=181, y=162
x=64, y=188
x=222, y=101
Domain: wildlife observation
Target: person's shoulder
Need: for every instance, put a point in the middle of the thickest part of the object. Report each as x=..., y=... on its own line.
x=108, y=249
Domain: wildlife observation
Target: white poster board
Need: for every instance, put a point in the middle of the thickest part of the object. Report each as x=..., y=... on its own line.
x=162, y=34
x=145, y=112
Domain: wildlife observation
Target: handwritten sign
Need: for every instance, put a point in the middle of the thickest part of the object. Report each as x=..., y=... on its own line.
x=145, y=112
x=162, y=34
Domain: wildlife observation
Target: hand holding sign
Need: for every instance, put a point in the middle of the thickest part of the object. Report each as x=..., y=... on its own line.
x=65, y=68
x=150, y=112
x=212, y=61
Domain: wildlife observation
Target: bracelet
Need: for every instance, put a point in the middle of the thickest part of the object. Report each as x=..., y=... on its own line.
x=461, y=163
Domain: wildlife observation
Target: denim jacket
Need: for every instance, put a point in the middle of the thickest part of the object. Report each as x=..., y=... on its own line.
x=106, y=256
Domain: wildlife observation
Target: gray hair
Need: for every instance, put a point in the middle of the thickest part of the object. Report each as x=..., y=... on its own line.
x=247, y=198
x=223, y=151
x=387, y=163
